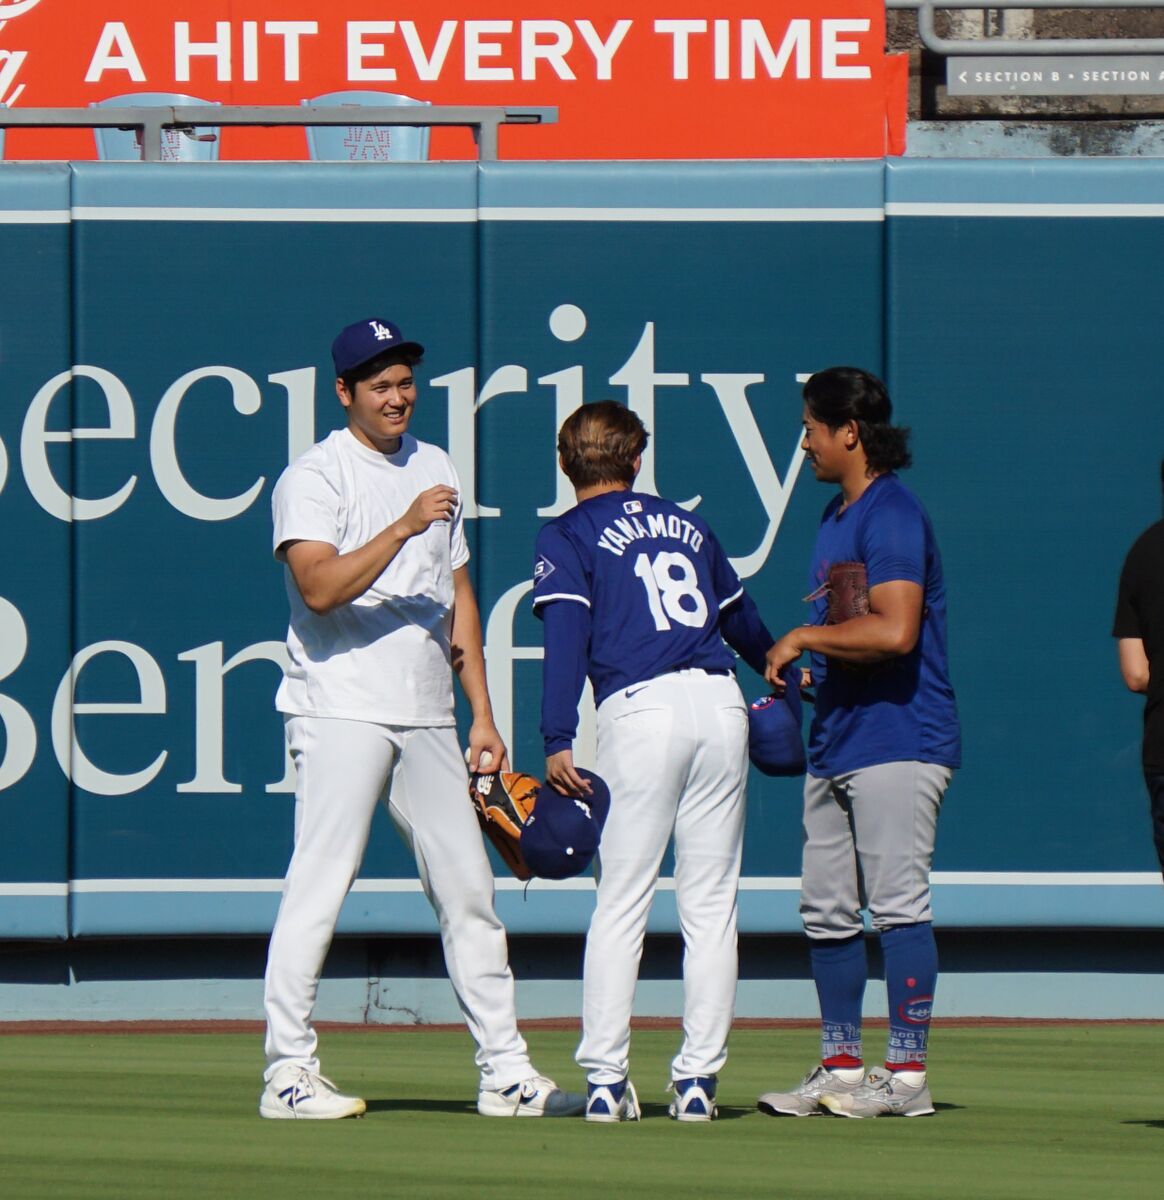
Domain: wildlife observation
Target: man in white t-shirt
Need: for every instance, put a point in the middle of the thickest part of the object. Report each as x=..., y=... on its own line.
x=368, y=524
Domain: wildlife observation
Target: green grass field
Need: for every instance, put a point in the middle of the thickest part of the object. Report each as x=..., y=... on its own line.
x=1023, y=1112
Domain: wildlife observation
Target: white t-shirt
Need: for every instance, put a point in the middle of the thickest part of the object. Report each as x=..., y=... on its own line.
x=385, y=656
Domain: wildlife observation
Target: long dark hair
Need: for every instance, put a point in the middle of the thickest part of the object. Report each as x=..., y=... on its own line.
x=840, y=394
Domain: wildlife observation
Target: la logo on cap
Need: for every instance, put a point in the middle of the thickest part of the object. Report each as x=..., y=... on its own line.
x=382, y=332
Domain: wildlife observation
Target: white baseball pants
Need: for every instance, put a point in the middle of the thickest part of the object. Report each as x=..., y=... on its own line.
x=343, y=770
x=674, y=752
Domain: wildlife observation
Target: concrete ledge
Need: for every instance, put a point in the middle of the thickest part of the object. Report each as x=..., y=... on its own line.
x=1063, y=974
x=1034, y=139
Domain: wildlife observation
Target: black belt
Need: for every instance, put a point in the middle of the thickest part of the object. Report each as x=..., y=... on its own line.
x=690, y=666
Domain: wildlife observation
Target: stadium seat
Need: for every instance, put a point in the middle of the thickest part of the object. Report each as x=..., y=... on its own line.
x=366, y=143
x=199, y=144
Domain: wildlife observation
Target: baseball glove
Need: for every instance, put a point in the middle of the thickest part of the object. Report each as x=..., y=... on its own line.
x=503, y=801
x=847, y=589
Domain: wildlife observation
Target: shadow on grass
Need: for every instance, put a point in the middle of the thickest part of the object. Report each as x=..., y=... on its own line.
x=730, y=1113
x=463, y=1107
x=1149, y=1123
x=411, y=1104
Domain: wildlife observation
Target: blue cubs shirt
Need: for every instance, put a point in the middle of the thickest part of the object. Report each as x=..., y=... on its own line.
x=902, y=709
x=648, y=580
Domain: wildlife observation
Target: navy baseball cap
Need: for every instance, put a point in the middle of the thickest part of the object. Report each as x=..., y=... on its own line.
x=775, y=744
x=363, y=340
x=562, y=834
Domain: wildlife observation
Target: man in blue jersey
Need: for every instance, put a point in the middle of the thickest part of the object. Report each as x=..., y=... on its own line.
x=639, y=595
x=883, y=744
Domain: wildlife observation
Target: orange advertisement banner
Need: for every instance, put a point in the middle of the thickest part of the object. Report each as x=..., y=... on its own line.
x=676, y=79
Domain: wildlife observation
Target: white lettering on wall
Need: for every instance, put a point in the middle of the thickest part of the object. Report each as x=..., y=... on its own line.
x=428, y=66
x=19, y=727
x=501, y=655
x=463, y=404
x=548, y=42
x=115, y=51
x=34, y=437
x=732, y=393
x=477, y=48
x=300, y=385
x=208, y=731
x=639, y=377
x=754, y=42
x=360, y=50
x=490, y=51
x=10, y=63
x=680, y=32
x=291, y=32
x=185, y=50
x=603, y=49
x=151, y=701
x=209, y=722
x=164, y=447
x=832, y=49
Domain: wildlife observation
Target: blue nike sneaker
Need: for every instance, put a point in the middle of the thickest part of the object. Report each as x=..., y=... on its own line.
x=612, y=1102
x=694, y=1098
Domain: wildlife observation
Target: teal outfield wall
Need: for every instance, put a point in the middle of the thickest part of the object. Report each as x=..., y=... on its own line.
x=1014, y=308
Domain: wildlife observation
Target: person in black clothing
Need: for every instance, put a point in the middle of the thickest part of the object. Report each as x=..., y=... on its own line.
x=1139, y=627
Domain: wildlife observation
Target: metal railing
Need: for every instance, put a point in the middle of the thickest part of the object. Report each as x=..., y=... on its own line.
x=483, y=120
x=952, y=47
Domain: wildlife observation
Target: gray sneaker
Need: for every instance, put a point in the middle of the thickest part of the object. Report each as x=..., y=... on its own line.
x=883, y=1094
x=805, y=1100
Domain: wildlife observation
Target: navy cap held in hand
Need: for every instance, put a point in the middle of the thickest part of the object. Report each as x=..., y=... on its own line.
x=562, y=834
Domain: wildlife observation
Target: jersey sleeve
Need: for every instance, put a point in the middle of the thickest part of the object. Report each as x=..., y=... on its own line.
x=559, y=573
x=1127, y=622
x=567, y=644
x=561, y=598
x=740, y=624
x=724, y=579
x=893, y=543
x=742, y=627
x=458, y=547
x=304, y=508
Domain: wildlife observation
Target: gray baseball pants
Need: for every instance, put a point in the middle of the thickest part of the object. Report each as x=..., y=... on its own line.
x=869, y=843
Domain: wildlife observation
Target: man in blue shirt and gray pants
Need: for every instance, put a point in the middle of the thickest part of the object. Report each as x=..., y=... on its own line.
x=883, y=745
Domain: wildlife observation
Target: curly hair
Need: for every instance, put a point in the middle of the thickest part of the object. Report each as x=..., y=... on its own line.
x=840, y=394
x=599, y=443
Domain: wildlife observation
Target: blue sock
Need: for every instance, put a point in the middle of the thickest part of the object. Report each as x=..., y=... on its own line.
x=911, y=974
x=840, y=970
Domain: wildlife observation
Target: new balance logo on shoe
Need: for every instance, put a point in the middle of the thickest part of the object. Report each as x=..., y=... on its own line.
x=533, y=1097
x=296, y=1094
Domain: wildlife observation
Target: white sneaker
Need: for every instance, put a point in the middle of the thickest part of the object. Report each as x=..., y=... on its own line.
x=533, y=1097
x=694, y=1098
x=294, y=1093
x=612, y=1102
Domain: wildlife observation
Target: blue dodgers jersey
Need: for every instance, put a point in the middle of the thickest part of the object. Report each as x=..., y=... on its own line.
x=902, y=709
x=653, y=577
